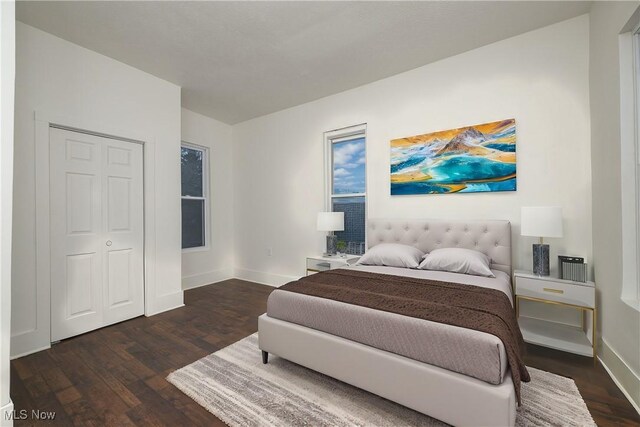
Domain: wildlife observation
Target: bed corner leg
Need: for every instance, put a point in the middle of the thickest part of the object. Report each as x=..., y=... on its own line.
x=265, y=357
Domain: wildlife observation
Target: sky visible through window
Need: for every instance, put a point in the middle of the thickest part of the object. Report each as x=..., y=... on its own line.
x=348, y=166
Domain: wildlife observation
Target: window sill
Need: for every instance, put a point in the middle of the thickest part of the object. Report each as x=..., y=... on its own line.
x=198, y=249
x=633, y=303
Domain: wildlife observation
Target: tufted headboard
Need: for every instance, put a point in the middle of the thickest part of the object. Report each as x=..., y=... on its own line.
x=492, y=238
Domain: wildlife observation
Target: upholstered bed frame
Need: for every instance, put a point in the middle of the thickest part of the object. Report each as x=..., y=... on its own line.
x=448, y=396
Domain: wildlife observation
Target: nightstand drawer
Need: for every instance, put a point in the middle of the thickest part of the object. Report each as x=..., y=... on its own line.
x=324, y=265
x=556, y=291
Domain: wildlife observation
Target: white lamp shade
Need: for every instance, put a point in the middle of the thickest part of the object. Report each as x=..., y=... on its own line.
x=331, y=221
x=541, y=221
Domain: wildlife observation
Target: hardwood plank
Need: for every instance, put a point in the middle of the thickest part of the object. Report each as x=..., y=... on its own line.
x=82, y=413
x=56, y=379
x=68, y=395
x=116, y=376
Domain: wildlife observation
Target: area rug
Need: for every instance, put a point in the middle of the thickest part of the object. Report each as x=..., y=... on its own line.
x=236, y=387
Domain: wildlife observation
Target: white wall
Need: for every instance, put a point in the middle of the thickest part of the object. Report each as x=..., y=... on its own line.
x=540, y=78
x=74, y=85
x=215, y=263
x=7, y=76
x=620, y=328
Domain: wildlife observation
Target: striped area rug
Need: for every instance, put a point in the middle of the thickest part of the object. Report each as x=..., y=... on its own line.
x=236, y=387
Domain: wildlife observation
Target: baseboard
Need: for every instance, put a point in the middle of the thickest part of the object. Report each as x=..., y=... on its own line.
x=28, y=352
x=6, y=412
x=165, y=303
x=29, y=342
x=263, y=278
x=622, y=375
x=204, y=279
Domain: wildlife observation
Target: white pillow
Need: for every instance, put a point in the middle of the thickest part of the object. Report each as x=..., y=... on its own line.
x=458, y=260
x=392, y=255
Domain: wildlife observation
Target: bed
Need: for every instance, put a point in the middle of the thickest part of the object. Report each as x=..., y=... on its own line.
x=454, y=374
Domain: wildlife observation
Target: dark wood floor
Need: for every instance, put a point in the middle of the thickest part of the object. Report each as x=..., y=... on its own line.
x=116, y=375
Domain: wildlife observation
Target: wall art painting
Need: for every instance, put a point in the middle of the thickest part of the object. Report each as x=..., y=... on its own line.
x=470, y=159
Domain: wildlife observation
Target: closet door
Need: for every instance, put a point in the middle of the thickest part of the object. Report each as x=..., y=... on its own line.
x=122, y=222
x=76, y=233
x=96, y=232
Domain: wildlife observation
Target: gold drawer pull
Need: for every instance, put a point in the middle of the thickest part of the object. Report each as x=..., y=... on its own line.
x=555, y=291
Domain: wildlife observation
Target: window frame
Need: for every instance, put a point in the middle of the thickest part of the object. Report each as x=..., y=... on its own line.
x=636, y=107
x=634, y=300
x=337, y=136
x=205, y=196
x=629, y=48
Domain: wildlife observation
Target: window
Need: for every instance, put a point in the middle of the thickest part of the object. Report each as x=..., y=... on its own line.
x=193, y=160
x=636, y=51
x=632, y=293
x=346, y=167
x=630, y=164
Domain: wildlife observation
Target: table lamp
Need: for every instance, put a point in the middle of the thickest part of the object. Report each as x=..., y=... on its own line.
x=331, y=221
x=541, y=221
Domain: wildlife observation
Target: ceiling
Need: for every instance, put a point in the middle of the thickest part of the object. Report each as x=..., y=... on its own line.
x=240, y=60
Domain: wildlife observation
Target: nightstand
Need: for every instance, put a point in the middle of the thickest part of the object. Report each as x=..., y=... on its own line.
x=316, y=264
x=565, y=293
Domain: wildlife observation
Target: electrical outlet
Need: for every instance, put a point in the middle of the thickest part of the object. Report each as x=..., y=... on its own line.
x=269, y=251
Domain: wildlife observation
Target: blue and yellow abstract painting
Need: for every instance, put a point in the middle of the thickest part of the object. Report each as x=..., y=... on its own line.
x=465, y=160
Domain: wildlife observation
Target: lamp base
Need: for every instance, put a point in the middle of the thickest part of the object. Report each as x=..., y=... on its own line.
x=332, y=244
x=541, y=259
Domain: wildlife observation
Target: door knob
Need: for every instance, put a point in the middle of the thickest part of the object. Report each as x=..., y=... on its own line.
x=108, y=242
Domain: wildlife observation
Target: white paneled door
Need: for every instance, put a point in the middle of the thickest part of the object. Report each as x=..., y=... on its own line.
x=97, y=236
